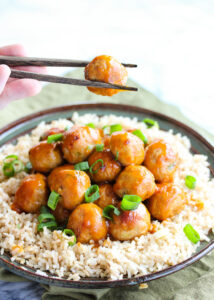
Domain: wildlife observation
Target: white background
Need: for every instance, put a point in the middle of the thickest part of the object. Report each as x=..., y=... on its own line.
x=172, y=41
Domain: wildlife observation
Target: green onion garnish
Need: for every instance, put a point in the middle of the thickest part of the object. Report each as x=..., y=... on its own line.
x=44, y=210
x=90, y=125
x=100, y=147
x=92, y=166
x=92, y=193
x=17, y=165
x=82, y=166
x=53, y=200
x=8, y=170
x=51, y=225
x=115, y=127
x=106, y=129
x=45, y=217
x=28, y=167
x=130, y=202
x=150, y=123
x=190, y=182
x=54, y=138
x=10, y=158
x=191, y=234
x=108, y=209
x=18, y=226
x=140, y=134
x=70, y=232
x=90, y=147
x=117, y=155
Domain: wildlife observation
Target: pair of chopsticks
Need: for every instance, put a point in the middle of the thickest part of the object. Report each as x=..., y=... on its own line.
x=14, y=61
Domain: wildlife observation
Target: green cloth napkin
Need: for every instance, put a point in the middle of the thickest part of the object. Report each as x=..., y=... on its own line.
x=194, y=282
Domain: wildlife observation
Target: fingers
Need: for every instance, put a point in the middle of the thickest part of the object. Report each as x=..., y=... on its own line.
x=13, y=50
x=4, y=75
x=19, y=89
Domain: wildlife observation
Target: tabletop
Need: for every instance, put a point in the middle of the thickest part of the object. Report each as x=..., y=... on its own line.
x=170, y=40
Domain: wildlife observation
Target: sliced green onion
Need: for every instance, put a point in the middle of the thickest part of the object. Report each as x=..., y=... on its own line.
x=117, y=155
x=115, y=127
x=90, y=125
x=70, y=243
x=17, y=165
x=191, y=234
x=90, y=147
x=28, y=167
x=53, y=200
x=92, y=193
x=190, y=181
x=108, y=209
x=140, y=134
x=51, y=225
x=130, y=202
x=82, y=166
x=18, y=226
x=10, y=158
x=44, y=210
x=42, y=218
x=100, y=147
x=8, y=170
x=92, y=166
x=150, y=123
x=54, y=138
x=106, y=129
x=70, y=232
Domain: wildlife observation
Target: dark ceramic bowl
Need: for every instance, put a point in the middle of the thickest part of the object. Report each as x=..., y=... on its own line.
x=10, y=133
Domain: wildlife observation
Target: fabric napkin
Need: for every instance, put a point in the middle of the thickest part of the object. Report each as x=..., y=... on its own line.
x=194, y=282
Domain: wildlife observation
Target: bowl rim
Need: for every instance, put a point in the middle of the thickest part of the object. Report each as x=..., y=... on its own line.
x=92, y=283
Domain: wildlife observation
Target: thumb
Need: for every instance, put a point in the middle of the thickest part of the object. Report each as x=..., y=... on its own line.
x=4, y=75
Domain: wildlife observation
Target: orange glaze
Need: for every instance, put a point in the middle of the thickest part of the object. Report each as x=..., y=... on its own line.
x=31, y=194
x=87, y=223
x=168, y=201
x=110, y=169
x=130, y=148
x=107, y=196
x=161, y=160
x=106, y=69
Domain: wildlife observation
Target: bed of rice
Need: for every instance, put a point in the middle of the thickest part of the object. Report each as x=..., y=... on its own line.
x=49, y=251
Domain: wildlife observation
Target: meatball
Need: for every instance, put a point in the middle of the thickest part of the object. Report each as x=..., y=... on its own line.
x=31, y=194
x=44, y=157
x=71, y=185
x=127, y=147
x=79, y=142
x=135, y=180
x=54, y=175
x=61, y=214
x=106, y=141
x=50, y=132
x=161, y=160
x=110, y=169
x=106, y=69
x=87, y=223
x=168, y=201
x=130, y=224
x=107, y=195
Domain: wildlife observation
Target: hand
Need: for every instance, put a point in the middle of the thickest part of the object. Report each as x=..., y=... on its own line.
x=13, y=89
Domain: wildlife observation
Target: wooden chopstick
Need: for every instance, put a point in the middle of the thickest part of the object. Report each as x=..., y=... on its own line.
x=66, y=80
x=14, y=61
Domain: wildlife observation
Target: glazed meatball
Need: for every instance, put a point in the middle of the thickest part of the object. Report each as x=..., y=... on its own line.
x=31, y=194
x=61, y=214
x=107, y=195
x=106, y=141
x=130, y=224
x=161, y=160
x=110, y=169
x=44, y=157
x=71, y=185
x=87, y=223
x=127, y=147
x=168, y=201
x=79, y=142
x=106, y=69
x=135, y=180
x=50, y=132
x=54, y=175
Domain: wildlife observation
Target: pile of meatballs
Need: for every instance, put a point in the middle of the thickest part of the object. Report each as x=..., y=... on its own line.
x=129, y=168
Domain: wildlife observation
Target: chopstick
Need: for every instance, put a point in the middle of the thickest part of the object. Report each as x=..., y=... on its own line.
x=67, y=80
x=14, y=61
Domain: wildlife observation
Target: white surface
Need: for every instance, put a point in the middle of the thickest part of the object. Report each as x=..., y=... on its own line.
x=170, y=40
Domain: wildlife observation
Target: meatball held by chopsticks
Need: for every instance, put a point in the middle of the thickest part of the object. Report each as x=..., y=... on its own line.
x=107, y=69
